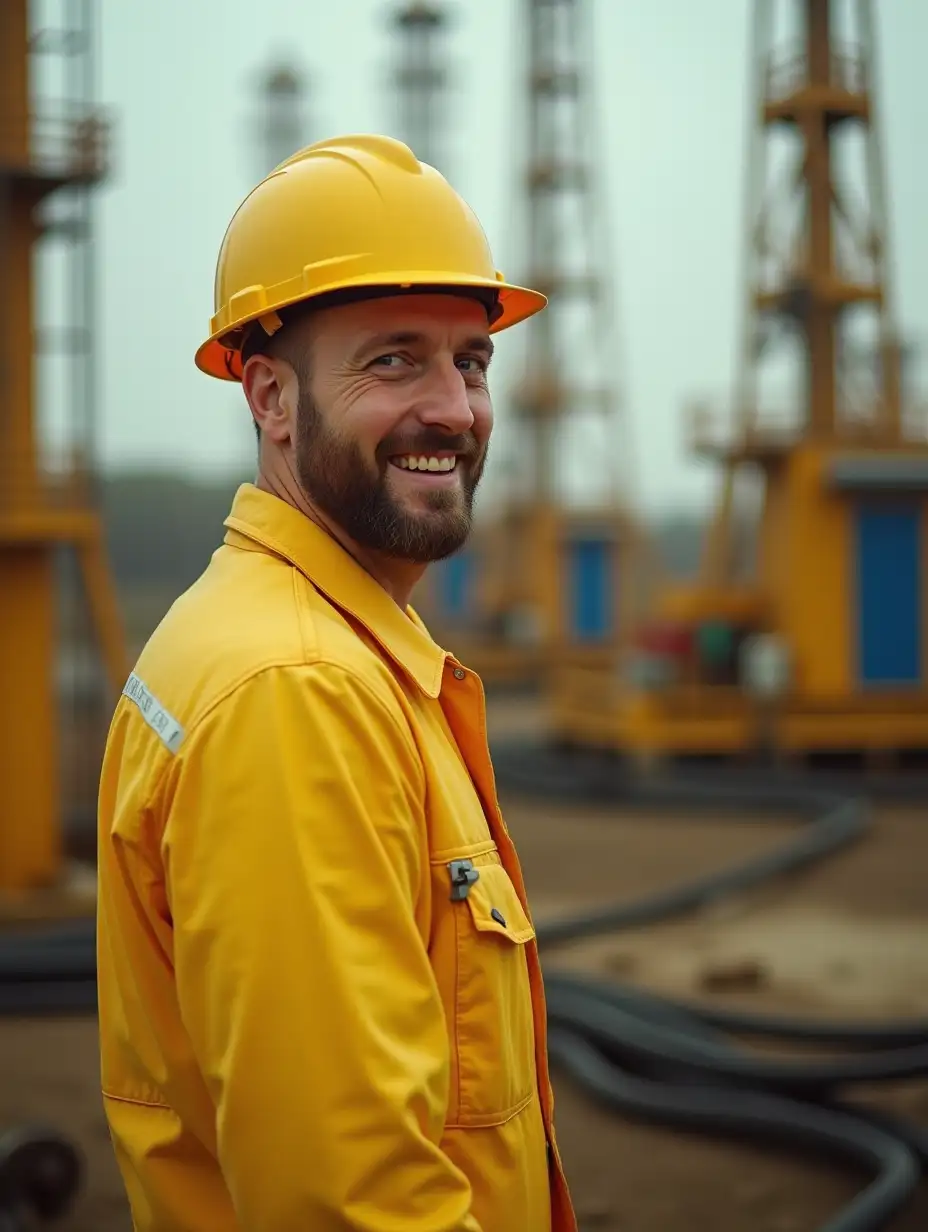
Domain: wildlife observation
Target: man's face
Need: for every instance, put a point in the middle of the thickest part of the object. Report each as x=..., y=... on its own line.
x=394, y=419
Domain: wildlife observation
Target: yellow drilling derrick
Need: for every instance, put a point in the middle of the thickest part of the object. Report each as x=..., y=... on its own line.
x=552, y=575
x=53, y=150
x=821, y=649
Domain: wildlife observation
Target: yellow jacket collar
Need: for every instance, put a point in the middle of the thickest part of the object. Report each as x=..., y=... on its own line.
x=269, y=521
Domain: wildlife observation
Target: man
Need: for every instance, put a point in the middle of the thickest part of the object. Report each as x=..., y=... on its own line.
x=320, y=998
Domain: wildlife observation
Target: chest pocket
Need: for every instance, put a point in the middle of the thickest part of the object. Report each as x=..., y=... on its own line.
x=491, y=1003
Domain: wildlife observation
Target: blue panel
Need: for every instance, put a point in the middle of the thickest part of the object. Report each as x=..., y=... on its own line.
x=889, y=594
x=456, y=581
x=590, y=575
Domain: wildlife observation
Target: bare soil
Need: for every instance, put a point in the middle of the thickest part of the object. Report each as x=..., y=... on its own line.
x=847, y=940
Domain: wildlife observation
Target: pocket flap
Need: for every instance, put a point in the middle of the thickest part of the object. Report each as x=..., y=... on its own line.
x=495, y=906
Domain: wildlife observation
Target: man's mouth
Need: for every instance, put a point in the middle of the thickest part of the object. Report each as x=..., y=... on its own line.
x=435, y=463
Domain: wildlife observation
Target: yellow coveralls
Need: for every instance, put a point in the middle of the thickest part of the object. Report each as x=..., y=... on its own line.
x=320, y=999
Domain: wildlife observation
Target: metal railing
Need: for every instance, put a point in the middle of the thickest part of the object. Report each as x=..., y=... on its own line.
x=847, y=71
x=68, y=140
x=61, y=483
x=712, y=427
x=715, y=428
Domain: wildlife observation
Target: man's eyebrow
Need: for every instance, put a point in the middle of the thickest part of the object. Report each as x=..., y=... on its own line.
x=402, y=337
x=405, y=337
x=480, y=342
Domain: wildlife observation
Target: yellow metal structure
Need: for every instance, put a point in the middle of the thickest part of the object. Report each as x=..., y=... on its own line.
x=44, y=151
x=552, y=575
x=837, y=601
x=516, y=608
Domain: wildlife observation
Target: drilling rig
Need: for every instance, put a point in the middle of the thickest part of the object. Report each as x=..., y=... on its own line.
x=420, y=78
x=283, y=125
x=820, y=650
x=54, y=146
x=549, y=579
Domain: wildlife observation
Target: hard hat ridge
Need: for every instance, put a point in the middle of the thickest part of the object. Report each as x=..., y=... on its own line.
x=357, y=215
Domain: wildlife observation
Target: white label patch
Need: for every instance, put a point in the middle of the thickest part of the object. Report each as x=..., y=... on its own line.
x=163, y=724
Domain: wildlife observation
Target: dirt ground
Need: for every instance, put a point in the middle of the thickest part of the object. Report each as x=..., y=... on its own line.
x=849, y=938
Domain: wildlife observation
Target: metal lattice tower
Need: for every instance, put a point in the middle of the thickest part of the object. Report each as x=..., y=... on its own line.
x=567, y=441
x=420, y=79
x=283, y=124
x=820, y=357
x=569, y=391
x=53, y=151
x=819, y=299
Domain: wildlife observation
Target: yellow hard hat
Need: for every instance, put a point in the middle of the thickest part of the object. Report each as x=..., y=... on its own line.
x=353, y=212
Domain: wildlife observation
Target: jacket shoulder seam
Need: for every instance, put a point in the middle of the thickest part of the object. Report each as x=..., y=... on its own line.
x=131, y=1099
x=304, y=613
x=223, y=695
x=295, y=662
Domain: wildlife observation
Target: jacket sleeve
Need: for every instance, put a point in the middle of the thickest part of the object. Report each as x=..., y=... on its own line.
x=294, y=862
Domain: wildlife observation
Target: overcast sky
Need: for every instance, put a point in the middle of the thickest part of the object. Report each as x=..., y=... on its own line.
x=181, y=77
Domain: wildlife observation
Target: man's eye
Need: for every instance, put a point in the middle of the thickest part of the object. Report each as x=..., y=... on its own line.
x=384, y=360
x=478, y=365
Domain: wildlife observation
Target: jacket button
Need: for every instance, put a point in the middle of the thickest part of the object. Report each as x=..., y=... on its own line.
x=498, y=916
x=459, y=673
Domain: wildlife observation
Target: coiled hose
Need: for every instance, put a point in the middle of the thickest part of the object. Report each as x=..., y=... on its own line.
x=645, y=1056
x=40, y=1172
x=670, y=1063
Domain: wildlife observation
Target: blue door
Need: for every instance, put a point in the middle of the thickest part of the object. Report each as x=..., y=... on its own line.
x=889, y=587
x=590, y=579
x=456, y=580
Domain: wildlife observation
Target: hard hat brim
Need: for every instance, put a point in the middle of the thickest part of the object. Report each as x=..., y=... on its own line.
x=217, y=359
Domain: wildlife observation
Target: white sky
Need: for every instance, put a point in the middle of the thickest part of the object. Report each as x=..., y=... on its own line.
x=180, y=78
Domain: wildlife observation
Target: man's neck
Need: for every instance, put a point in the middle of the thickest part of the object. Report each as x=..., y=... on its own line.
x=397, y=577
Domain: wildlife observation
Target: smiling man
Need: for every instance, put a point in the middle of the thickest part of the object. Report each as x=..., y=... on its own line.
x=391, y=466
x=321, y=1006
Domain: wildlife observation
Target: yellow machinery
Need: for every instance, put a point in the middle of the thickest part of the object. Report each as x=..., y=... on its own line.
x=553, y=574
x=823, y=649
x=52, y=150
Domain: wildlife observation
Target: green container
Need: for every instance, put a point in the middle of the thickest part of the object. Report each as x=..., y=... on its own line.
x=715, y=642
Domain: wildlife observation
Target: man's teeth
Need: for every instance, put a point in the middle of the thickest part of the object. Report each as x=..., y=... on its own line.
x=412, y=462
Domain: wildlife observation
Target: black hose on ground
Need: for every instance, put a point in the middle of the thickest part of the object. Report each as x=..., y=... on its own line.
x=640, y=1042
x=57, y=997
x=41, y=1173
x=646, y=1056
x=670, y=1063
x=764, y=1118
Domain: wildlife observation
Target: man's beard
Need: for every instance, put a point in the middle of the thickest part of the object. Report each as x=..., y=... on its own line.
x=335, y=476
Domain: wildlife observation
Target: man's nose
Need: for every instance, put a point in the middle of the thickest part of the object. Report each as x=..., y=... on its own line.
x=445, y=403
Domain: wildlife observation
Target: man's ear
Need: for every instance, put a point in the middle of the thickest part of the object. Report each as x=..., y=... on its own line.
x=271, y=390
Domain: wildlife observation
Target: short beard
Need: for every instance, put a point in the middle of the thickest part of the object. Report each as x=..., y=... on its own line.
x=336, y=477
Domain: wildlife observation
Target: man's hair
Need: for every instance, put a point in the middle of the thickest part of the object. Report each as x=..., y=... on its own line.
x=281, y=345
